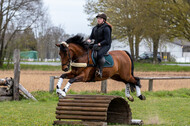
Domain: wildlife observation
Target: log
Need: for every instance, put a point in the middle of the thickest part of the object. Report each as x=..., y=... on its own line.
x=82, y=104
x=81, y=108
x=26, y=92
x=81, y=113
x=5, y=92
x=2, y=82
x=77, y=117
x=83, y=101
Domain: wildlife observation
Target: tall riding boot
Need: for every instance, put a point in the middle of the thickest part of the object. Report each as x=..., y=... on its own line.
x=101, y=62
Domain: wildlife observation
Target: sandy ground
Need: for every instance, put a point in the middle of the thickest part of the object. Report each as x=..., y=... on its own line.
x=39, y=80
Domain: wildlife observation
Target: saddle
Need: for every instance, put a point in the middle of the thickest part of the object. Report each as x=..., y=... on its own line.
x=108, y=59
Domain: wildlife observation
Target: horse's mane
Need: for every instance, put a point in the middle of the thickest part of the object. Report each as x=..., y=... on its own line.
x=77, y=39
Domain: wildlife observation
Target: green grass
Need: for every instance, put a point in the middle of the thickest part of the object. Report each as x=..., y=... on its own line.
x=146, y=67
x=161, y=108
x=32, y=67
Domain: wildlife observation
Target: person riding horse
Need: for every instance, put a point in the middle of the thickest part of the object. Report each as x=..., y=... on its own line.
x=101, y=33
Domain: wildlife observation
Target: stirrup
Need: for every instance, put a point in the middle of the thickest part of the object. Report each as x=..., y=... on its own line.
x=98, y=73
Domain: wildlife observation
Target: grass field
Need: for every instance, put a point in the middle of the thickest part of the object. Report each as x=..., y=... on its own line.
x=146, y=67
x=160, y=108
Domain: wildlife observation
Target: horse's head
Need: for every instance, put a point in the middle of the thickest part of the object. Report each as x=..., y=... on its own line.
x=70, y=50
x=65, y=56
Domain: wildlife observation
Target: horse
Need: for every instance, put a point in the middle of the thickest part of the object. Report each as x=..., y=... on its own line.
x=75, y=51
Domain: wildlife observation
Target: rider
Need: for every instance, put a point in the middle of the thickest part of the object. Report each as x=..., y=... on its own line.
x=101, y=33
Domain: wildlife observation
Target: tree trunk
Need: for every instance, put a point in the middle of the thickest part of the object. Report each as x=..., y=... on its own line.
x=155, y=48
x=137, y=41
x=1, y=53
x=131, y=46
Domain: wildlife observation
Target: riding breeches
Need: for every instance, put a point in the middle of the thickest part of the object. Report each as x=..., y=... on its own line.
x=102, y=51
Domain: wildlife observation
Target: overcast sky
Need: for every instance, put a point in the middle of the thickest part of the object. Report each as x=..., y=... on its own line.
x=70, y=14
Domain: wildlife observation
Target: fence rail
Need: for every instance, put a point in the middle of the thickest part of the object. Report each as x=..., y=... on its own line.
x=104, y=83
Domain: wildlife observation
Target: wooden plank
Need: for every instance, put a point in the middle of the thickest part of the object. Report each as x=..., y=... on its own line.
x=16, y=74
x=84, y=101
x=80, y=123
x=104, y=86
x=96, y=97
x=82, y=108
x=51, y=86
x=150, y=85
x=82, y=113
x=82, y=104
x=5, y=92
x=77, y=117
x=26, y=92
x=6, y=98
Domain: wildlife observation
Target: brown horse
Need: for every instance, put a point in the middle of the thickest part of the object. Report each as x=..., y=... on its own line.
x=74, y=51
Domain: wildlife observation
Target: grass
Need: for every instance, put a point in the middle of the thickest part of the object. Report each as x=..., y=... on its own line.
x=160, y=108
x=32, y=67
x=147, y=67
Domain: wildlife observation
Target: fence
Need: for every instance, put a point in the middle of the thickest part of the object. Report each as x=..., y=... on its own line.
x=104, y=83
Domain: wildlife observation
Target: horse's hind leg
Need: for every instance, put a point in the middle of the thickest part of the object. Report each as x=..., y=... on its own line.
x=136, y=81
x=127, y=88
x=127, y=92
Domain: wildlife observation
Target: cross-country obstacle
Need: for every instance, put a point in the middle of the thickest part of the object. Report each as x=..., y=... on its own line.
x=7, y=90
x=11, y=89
x=93, y=110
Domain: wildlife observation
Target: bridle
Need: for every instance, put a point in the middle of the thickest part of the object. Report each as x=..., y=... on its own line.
x=67, y=50
x=68, y=63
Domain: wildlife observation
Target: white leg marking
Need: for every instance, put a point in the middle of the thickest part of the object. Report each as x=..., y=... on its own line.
x=127, y=90
x=67, y=86
x=59, y=83
x=138, y=91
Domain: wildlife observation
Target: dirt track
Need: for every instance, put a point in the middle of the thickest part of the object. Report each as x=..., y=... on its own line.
x=39, y=80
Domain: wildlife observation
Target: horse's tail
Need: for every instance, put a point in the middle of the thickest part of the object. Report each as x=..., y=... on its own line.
x=132, y=64
x=132, y=86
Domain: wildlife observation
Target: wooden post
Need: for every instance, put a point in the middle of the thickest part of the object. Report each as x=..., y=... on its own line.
x=150, y=86
x=16, y=74
x=51, y=84
x=104, y=86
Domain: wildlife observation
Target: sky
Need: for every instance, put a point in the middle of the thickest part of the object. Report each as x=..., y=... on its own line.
x=69, y=14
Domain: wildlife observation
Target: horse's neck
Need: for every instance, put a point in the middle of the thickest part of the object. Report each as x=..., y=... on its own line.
x=78, y=51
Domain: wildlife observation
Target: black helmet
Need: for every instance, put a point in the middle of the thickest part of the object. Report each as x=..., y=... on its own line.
x=102, y=15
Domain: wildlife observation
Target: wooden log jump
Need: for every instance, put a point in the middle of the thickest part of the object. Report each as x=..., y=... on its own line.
x=92, y=110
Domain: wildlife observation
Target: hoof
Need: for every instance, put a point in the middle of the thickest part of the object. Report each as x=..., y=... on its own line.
x=130, y=98
x=142, y=97
x=60, y=93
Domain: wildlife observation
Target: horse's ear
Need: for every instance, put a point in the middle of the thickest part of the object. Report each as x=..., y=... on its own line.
x=58, y=45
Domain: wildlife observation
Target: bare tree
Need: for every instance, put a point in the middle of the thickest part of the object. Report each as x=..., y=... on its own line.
x=16, y=15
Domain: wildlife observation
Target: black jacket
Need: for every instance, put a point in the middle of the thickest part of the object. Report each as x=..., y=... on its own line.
x=101, y=34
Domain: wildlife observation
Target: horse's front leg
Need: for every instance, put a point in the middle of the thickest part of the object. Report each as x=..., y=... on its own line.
x=62, y=93
x=78, y=78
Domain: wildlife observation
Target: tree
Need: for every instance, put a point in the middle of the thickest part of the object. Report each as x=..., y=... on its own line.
x=124, y=15
x=16, y=15
x=177, y=15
